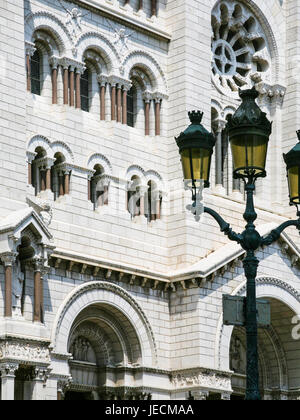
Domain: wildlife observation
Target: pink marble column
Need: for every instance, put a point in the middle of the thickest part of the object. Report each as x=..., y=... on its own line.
x=102, y=100
x=72, y=85
x=113, y=102
x=8, y=261
x=66, y=85
x=119, y=103
x=157, y=116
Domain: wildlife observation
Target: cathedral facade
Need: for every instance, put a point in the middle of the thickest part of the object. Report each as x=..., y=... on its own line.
x=110, y=289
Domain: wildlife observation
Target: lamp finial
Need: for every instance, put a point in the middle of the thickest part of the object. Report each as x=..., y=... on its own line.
x=196, y=117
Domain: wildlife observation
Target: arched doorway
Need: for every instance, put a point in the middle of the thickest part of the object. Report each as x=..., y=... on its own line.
x=110, y=340
x=279, y=352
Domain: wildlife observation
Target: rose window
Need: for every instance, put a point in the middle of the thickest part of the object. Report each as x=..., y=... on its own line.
x=240, y=53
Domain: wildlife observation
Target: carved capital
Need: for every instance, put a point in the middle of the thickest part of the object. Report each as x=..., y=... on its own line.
x=30, y=48
x=147, y=96
x=8, y=369
x=102, y=80
x=63, y=385
x=30, y=156
x=8, y=258
x=54, y=62
x=41, y=374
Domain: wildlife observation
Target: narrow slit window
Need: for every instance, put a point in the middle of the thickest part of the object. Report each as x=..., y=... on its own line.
x=35, y=71
x=84, y=91
x=130, y=108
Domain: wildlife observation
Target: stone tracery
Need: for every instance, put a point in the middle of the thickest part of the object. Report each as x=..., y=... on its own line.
x=240, y=52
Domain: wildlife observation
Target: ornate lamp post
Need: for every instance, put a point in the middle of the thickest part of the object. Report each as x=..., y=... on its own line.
x=249, y=131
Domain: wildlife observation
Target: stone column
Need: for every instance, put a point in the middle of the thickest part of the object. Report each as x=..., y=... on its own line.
x=142, y=202
x=53, y=61
x=54, y=86
x=39, y=381
x=102, y=100
x=48, y=178
x=8, y=261
x=158, y=207
x=124, y=106
x=157, y=116
x=60, y=184
x=30, y=159
x=30, y=50
x=66, y=83
x=141, y=5
x=113, y=101
x=147, y=99
x=8, y=381
x=38, y=291
x=67, y=182
x=89, y=185
x=72, y=85
x=119, y=103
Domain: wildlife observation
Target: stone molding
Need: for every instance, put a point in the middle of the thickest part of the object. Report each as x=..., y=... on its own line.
x=24, y=352
x=204, y=378
x=117, y=290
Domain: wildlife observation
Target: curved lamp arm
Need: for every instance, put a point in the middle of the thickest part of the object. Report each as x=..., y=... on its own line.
x=275, y=234
x=225, y=227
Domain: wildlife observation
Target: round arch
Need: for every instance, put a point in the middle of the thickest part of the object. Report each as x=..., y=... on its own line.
x=47, y=21
x=97, y=42
x=61, y=147
x=143, y=60
x=110, y=294
x=97, y=158
x=40, y=141
x=266, y=287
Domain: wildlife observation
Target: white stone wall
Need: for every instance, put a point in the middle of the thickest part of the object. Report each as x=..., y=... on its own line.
x=175, y=47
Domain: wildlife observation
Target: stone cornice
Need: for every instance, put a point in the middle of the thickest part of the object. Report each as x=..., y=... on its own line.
x=147, y=25
x=185, y=279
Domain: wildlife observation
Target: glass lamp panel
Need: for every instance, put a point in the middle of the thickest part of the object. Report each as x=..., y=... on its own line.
x=293, y=177
x=249, y=153
x=196, y=164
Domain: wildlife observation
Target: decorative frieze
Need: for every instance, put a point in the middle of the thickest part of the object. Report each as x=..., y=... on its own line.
x=24, y=352
x=202, y=378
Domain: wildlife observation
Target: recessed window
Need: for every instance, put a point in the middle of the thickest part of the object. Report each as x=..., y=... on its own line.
x=131, y=95
x=84, y=91
x=35, y=72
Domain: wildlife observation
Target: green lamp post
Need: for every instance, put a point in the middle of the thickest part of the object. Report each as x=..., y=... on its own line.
x=292, y=160
x=249, y=131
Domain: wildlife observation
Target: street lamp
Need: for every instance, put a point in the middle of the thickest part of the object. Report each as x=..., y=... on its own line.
x=249, y=131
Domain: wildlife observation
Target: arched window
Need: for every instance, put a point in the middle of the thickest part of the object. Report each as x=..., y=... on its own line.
x=60, y=176
x=35, y=73
x=131, y=107
x=84, y=91
x=98, y=188
x=38, y=174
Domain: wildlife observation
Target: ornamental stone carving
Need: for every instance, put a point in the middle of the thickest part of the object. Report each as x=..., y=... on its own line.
x=240, y=49
x=205, y=379
x=24, y=352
